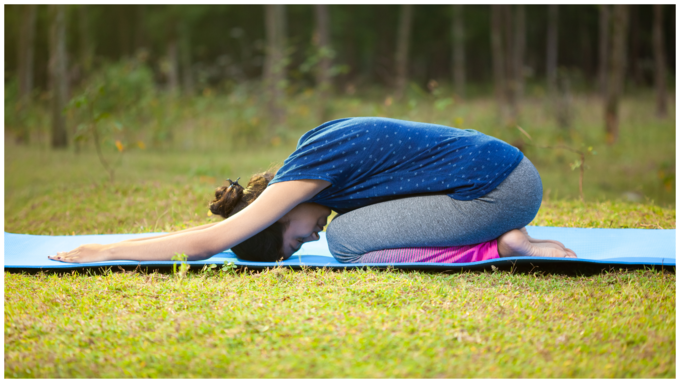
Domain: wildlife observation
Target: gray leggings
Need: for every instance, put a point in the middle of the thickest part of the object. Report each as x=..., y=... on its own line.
x=437, y=220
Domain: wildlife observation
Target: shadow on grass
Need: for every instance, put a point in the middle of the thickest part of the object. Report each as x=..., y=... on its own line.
x=573, y=270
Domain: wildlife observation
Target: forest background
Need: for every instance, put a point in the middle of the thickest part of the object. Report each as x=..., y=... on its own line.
x=206, y=92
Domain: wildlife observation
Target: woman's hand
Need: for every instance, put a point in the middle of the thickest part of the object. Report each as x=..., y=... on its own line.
x=82, y=254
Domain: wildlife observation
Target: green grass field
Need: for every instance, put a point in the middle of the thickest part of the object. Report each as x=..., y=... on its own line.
x=319, y=323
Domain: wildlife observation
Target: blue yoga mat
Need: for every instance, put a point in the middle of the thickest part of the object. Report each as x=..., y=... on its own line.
x=593, y=246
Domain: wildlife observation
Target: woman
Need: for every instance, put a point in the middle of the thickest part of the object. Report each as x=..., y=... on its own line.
x=395, y=184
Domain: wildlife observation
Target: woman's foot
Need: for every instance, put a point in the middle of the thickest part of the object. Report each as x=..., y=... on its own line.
x=535, y=240
x=516, y=243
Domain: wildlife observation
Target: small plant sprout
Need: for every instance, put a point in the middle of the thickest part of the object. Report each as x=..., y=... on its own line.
x=207, y=269
x=183, y=267
x=229, y=267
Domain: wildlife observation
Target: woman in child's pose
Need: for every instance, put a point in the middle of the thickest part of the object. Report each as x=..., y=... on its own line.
x=404, y=191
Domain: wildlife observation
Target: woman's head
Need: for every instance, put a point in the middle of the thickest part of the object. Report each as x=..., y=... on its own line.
x=302, y=224
x=281, y=239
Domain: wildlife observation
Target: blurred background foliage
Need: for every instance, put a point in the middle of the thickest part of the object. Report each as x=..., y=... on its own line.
x=207, y=82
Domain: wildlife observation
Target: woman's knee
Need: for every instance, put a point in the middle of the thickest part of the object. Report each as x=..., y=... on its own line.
x=523, y=194
x=535, y=194
x=339, y=242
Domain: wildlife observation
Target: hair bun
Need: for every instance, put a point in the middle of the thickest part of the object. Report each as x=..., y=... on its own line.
x=226, y=199
x=231, y=199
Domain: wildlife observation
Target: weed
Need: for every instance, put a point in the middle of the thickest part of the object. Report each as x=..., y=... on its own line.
x=229, y=268
x=183, y=267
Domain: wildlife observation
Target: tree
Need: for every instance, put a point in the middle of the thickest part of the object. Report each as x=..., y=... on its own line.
x=25, y=53
x=275, y=62
x=185, y=57
x=322, y=40
x=140, y=37
x=635, y=67
x=58, y=74
x=86, y=43
x=511, y=64
x=458, y=60
x=25, y=64
x=172, y=52
x=551, y=61
x=660, y=63
x=519, y=46
x=506, y=38
x=498, y=58
x=604, y=48
x=616, y=72
x=401, y=55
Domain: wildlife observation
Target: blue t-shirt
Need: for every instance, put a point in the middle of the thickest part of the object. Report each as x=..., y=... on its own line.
x=370, y=159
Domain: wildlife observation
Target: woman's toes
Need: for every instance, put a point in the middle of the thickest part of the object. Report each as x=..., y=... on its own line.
x=554, y=251
x=535, y=240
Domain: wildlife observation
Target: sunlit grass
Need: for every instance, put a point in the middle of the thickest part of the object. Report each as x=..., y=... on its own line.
x=360, y=323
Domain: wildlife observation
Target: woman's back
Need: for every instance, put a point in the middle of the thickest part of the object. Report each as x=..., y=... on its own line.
x=368, y=160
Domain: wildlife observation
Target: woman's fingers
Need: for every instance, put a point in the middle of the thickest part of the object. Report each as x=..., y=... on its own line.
x=63, y=256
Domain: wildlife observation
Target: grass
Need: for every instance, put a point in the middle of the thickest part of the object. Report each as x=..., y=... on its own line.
x=319, y=323
x=322, y=324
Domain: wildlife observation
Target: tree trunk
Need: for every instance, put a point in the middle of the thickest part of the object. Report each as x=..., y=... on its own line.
x=401, y=56
x=173, y=64
x=323, y=74
x=635, y=69
x=185, y=55
x=172, y=53
x=518, y=50
x=660, y=63
x=616, y=71
x=140, y=29
x=85, y=35
x=604, y=48
x=498, y=58
x=458, y=38
x=509, y=65
x=551, y=62
x=275, y=65
x=25, y=54
x=123, y=26
x=58, y=74
x=585, y=39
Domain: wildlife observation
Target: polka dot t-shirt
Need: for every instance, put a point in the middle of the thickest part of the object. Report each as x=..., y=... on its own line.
x=370, y=159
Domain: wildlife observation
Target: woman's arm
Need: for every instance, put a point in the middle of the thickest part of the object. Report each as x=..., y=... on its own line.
x=269, y=207
x=177, y=232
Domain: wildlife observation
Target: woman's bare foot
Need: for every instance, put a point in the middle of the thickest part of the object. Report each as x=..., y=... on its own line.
x=515, y=243
x=536, y=240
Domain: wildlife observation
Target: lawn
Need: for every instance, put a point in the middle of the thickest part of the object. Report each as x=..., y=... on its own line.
x=360, y=323
x=541, y=322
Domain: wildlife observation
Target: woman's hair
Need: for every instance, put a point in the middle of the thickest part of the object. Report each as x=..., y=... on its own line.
x=265, y=246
